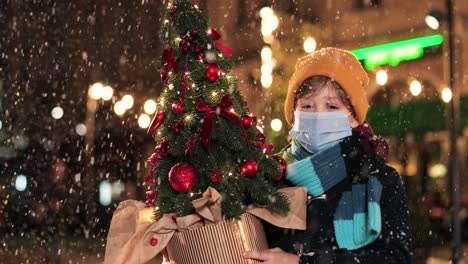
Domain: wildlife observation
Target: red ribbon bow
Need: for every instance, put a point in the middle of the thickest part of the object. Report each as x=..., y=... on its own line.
x=223, y=108
x=223, y=48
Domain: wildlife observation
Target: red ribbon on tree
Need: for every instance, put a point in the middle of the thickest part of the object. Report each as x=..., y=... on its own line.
x=162, y=150
x=223, y=48
x=169, y=61
x=267, y=148
x=223, y=108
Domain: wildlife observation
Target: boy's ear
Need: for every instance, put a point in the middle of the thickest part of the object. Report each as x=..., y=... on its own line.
x=352, y=121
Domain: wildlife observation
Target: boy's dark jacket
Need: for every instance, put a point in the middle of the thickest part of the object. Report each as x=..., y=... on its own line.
x=317, y=243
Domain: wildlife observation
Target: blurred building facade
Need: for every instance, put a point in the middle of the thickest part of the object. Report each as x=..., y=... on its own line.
x=53, y=51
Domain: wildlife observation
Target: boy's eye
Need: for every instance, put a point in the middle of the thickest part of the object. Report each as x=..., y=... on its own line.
x=333, y=106
x=306, y=106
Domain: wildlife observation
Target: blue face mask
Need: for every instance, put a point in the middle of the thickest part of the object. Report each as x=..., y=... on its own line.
x=317, y=131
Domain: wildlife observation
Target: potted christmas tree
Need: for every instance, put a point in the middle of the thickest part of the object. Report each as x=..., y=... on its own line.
x=211, y=164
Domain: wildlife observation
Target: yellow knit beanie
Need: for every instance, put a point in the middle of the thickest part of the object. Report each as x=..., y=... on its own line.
x=337, y=64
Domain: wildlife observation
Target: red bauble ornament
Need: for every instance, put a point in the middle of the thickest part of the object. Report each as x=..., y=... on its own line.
x=194, y=32
x=200, y=56
x=188, y=38
x=199, y=48
x=182, y=177
x=185, y=49
x=172, y=18
x=283, y=168
x=157, y=121
x=216, y=176
x=174, y=129
x=212, y=72
x=181, y=124
x=249, y=168
x=177, y=108
x=174, y=9
x=247, y=121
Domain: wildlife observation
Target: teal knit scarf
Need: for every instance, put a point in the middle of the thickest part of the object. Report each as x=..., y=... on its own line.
x=357, y=219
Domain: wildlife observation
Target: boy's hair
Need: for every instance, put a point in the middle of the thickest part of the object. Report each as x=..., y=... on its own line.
x=316, y=84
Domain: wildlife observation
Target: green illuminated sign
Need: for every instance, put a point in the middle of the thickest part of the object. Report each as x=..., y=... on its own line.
x=396, y=52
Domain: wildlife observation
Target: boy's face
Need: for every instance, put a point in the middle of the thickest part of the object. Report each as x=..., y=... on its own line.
x=326, y=100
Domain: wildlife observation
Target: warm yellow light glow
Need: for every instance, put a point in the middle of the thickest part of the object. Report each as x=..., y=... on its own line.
x=415, y=87
x=266, y=30
x=446, y=95
x=381, y=77
x=107, y=93
x=127, y=101
x=144, y=121
x=268, y=39
x=119, y=108
x=310, y=45
x=266, y=69
x=266, y=12
x=269, y=24
x=266, y=54
x=145, y=216
x=437, y=171
x=274, y=22
x=95, y=91
x=276, y=124
x=266, y=80
x=149, y=106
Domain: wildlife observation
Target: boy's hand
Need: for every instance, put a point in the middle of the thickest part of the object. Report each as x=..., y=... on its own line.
x=272, y=256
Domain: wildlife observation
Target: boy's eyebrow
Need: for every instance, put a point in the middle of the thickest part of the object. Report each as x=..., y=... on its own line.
x=333, y=98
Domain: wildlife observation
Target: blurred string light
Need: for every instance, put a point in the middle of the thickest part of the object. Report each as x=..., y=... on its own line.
x=127, y=101
x=95, y=91
x=150, y=107
x=276, y=124
x=266, y=54
x=266, y=69
x=81, y=129
x=446, y=95
x=1, y=124
x=119, y=108
x=266, y=80
x=310, y=45
x=269, y=23
x=57, y=112
x=107, y=93
x=381, y=77
x=105, y=193
x=99, y=91
x=415, y=87
x=144, y=121
x=21, y=183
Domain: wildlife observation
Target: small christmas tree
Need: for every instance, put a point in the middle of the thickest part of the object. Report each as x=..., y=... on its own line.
x=204, y=132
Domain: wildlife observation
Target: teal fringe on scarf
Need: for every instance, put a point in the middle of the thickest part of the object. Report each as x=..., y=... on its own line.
x=357, y=218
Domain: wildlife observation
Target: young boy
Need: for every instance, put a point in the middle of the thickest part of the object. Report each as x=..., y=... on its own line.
x=357, y=208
